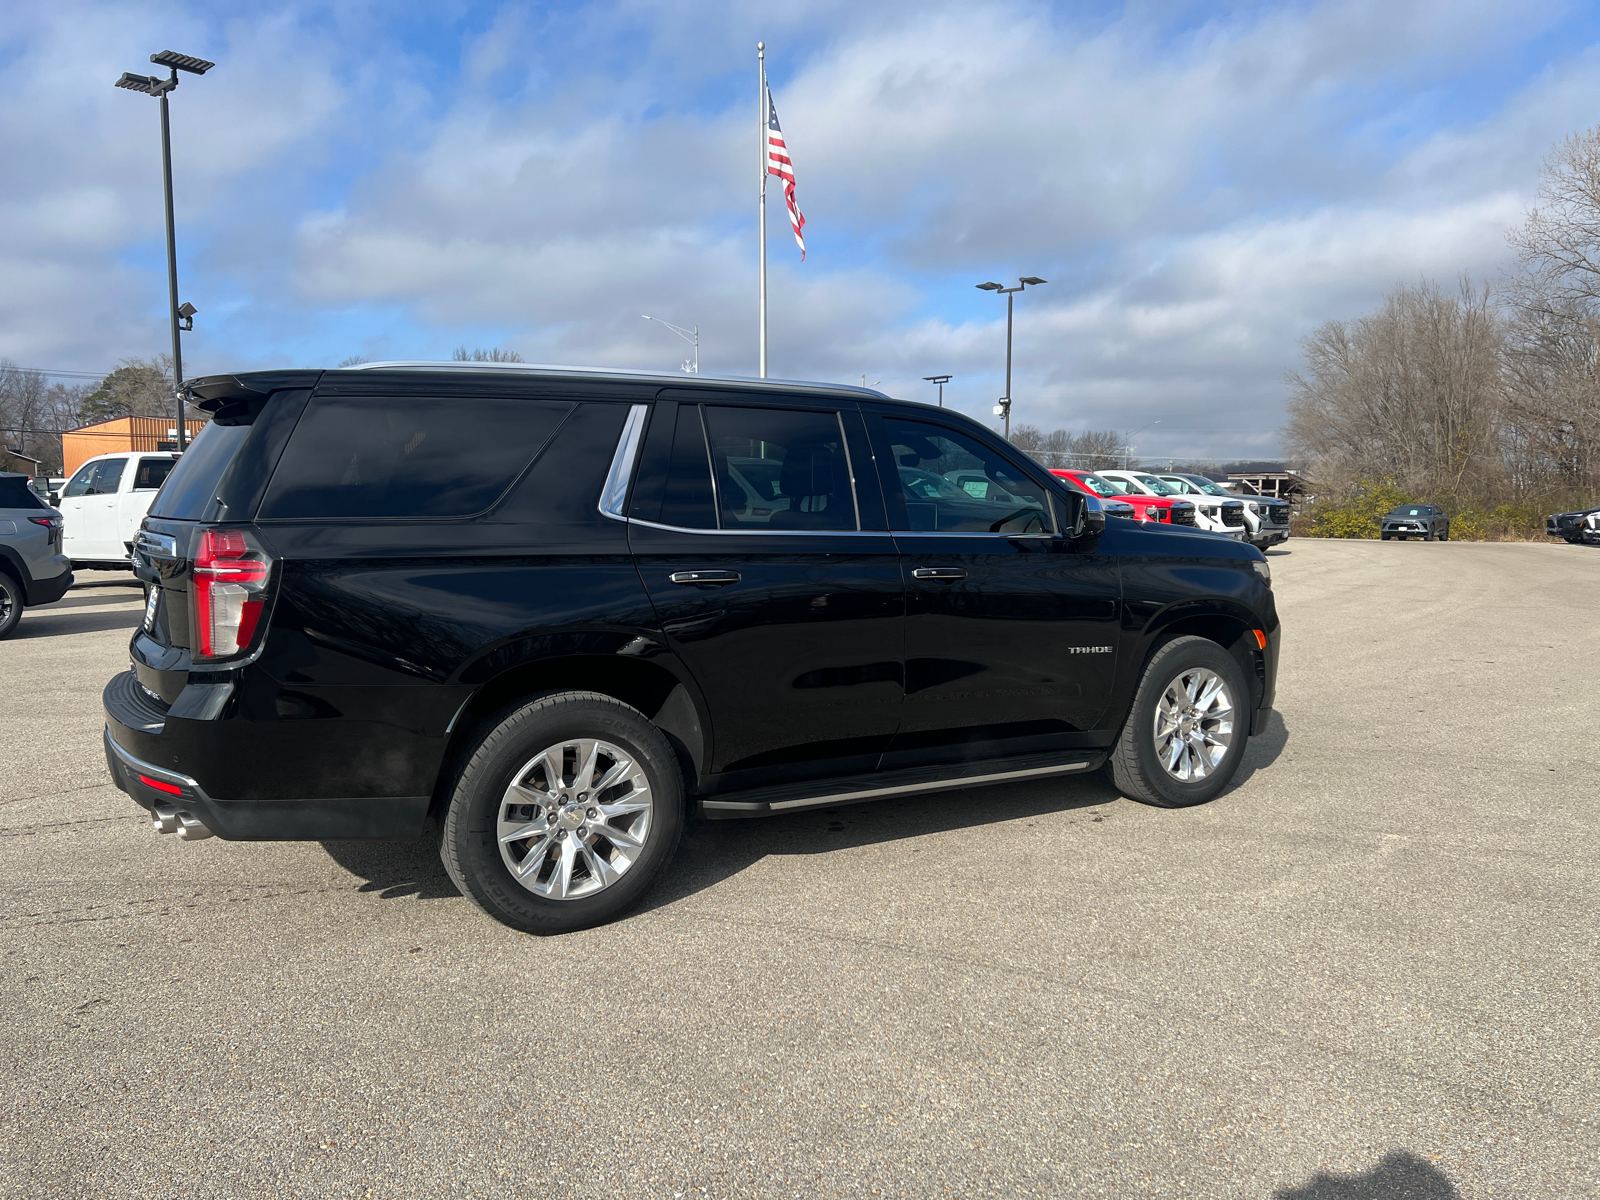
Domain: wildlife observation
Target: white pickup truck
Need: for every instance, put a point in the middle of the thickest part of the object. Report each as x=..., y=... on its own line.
x=104, y=502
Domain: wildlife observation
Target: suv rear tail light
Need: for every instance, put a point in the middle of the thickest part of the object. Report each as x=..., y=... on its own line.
x=230, y=587
x=53, y=525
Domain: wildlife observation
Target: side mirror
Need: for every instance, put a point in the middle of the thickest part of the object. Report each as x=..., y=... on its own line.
x=55, y=500
x=1080, y=514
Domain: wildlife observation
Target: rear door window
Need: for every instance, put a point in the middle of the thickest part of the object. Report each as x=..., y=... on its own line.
x=414, y=456
x=776, y=468
x=152, y=473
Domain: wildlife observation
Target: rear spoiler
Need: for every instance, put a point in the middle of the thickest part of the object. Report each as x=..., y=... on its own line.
x=232, y=400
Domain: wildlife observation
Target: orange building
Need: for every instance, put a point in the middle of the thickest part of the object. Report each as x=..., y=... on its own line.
x=125, y=433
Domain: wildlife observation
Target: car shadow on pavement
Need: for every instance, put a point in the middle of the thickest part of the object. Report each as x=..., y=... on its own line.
x=46, y=622
x=712, y=851
x=1401, y=1175
x=1262, y=751
x=395, y=867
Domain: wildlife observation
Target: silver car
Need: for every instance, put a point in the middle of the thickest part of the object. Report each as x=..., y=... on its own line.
x=33, y=567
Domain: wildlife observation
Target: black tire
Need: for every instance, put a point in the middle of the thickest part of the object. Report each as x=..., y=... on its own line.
x=1428, y=537
x=1135, y=769
x=469, y=845
x=1383, y=537
x=1445, y=536
x=10, y=604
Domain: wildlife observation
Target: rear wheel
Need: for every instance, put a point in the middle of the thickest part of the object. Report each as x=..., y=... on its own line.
x=1383, y=537
x=1187, y=729
x=10, y=604
x=565, y=813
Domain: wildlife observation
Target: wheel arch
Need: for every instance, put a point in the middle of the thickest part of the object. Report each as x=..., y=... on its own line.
x=1228, y=625
x=664, y=698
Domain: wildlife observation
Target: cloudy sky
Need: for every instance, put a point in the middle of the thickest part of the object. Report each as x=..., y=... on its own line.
x=1201, y=185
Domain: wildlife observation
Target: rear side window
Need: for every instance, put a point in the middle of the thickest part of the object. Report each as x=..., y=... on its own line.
x=191, y=484
x=407, y=456
x=152, y=473
x=15, y=493
x=777, y=468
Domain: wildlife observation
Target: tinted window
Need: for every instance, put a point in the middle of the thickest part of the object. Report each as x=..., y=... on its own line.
x=152, y=473
x=407, y=456
x=15, y=493
x=191, y=485
x=107, y=475
x=80, y=482
x=778, y=468
x=688, y=500
x=928, y=457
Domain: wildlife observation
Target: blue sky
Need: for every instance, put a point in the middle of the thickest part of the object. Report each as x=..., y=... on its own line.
x=1201, y=185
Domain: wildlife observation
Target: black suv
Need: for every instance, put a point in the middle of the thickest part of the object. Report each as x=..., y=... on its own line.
x=551, y=613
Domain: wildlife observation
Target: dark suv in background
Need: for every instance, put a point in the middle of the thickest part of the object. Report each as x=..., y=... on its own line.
x=550, y=613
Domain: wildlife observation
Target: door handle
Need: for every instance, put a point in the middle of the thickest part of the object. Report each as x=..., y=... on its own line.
x=951, y=573
x=717, y=578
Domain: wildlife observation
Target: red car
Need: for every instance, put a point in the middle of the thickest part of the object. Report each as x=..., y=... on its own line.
x=1167, y=509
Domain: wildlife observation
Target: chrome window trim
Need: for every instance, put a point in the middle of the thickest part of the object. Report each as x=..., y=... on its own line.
x=751, y=531
x=614, y=496
x=971, y=533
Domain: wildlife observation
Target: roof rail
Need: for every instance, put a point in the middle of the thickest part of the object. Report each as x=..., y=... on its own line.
x=619, y=373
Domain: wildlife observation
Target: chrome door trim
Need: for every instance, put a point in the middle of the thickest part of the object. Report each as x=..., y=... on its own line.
x=614, y=496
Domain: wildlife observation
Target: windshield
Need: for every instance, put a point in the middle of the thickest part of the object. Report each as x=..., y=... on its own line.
x=1200, y=483
x=1104, y=487
x=1418, y=511
x=1155, y=485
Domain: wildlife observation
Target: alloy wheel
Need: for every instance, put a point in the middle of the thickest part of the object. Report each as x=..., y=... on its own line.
x=1194, y=724
x=574, y=819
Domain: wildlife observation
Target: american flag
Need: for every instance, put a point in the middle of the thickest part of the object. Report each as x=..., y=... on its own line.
x=778, y=164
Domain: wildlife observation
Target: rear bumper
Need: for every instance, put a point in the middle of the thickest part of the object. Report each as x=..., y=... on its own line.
x=48, y=591
x=153, y=757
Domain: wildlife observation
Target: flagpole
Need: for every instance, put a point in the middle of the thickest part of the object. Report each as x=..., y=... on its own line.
x=761, y=230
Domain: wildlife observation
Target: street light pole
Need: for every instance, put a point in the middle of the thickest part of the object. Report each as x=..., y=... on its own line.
x=172, y=265
x=691, y=336
x=1004, y=407
x=154, y=85
x=941, y=380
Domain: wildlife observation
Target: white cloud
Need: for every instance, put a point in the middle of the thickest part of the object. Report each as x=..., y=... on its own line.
x=1200, y=198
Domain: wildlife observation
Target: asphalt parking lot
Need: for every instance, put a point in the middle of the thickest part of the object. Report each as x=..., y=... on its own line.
x=1366, y=971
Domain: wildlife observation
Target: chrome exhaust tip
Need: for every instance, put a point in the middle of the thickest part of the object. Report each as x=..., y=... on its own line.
x=191, y=830
x=185, y=825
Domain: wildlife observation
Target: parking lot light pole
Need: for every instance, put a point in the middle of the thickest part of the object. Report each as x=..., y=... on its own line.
x=941, y=380
x=692, y=336
x=1003, y=409
x=154, y=85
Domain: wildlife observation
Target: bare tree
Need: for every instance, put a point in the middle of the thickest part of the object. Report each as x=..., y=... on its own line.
x=33, y=412
x=1553, y=358
x=1410, y=393
x=493, y=354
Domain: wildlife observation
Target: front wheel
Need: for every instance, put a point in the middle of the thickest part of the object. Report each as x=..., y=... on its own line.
x=1187, y=729
x=565, y=813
